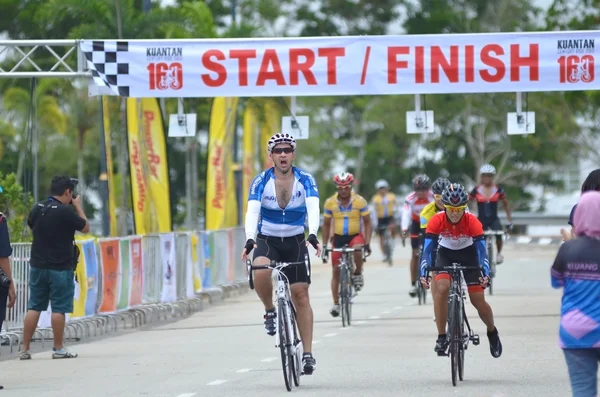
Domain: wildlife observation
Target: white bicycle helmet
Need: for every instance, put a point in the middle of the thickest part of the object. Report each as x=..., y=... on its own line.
x=487, y=169
x=381, y=184
x=281, y=138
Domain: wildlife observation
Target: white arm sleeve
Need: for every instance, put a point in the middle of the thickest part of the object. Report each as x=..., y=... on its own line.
x=314, y=214
x=252, y=213
x=405, y=216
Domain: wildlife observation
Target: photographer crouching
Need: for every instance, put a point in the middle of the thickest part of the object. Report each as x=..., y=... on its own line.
x=53, y=261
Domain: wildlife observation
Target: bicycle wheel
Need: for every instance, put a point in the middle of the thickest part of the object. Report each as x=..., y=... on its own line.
x=343, y=294
x=297, y=349
x=348, y=300
x=284, y=339
x=452, y=331
x=461, y=355
x=388, y=247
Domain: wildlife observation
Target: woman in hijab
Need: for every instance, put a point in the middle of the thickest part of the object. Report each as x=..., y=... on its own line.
x=577, y=270
x=592, y=182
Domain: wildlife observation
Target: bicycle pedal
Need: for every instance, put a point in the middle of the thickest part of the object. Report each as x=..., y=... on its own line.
x=475, y=340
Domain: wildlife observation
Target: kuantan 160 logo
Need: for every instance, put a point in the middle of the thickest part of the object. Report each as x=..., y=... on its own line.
x=574, y=68
x=165, y=75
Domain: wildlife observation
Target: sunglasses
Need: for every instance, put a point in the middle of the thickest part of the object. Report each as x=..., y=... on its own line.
x=279, y=150
x=455, y=209
x=348, y=187
x=437, y=196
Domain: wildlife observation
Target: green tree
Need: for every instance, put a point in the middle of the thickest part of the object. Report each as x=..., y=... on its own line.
x=15, y=204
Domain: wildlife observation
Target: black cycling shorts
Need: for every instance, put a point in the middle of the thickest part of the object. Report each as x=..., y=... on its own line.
x=466, y=257
x=285, y=249
x=492, y=224
x=383, y=223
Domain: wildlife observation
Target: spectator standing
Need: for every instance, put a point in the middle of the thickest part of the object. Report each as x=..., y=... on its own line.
x=576, y=269
x=7, y=285
x=53, y=261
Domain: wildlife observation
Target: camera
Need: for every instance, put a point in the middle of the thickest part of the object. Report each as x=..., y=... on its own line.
x=4, y=280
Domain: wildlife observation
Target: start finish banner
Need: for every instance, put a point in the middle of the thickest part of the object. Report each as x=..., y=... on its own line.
x=362, y=65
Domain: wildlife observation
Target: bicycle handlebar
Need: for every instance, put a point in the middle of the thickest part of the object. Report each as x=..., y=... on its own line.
x=494, y=232
x=345, y=249
x=273, y=265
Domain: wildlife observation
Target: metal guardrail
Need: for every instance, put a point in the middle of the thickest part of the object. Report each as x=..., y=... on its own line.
x=134, y=280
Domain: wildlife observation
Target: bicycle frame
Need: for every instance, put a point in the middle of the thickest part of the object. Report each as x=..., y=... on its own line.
x=286, y=312
x=456, y=302
x=489, y=243
x=346, y=267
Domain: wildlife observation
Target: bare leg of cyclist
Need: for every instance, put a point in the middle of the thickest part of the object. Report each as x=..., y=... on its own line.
x=499, y=256
x=264, y=289
x=413, y=272
x=335, y=291
x=304, y=315
x=477, y=298
x=440, y=308
x=357, y=278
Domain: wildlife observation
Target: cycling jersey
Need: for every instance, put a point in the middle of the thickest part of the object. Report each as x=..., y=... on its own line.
x=384, y=205
x=347, y=220
x=282, y=222
x=427, y=213
x=413, y=206
x=454, y=236
x=487, y=207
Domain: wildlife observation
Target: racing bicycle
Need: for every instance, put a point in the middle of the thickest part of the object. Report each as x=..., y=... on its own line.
x=287, y=336
x=489, y=243
x=346, y=291
x=459, y=330
x=421, y=291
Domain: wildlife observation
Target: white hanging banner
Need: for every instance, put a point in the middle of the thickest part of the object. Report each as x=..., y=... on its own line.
x=330, y=66
x=169, y=268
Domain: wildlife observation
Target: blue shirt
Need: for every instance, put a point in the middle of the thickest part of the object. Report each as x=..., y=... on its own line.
x=5, y=247
x=576, y=269
x=274, y=220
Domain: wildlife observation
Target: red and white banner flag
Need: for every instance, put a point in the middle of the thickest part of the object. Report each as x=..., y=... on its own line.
x=326, y=66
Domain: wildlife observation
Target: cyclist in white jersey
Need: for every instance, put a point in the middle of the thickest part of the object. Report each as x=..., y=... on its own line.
x=284, y=196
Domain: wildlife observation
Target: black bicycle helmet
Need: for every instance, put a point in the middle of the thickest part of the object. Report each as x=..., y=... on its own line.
x=421, y=182
x=455, y=195
x=439, y=185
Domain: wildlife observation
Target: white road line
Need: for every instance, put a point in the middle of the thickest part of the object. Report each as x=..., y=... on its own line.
x=360, y=322
x=243, y=370
x=216, y=382
x=344, y=328
x=316, y=341
x=374, y=317
x=330, y=335
x=386, y=312
x=268, y=360
x=187, y=395
x=397, y=307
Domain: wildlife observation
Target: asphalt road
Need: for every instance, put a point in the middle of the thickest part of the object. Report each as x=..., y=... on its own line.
x=224, y=350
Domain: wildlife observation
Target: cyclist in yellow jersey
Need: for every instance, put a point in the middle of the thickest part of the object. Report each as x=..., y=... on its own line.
x=347, y=209
x=384, y=204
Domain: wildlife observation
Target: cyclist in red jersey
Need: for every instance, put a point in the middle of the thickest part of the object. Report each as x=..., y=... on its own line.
x=411, y=215
x=459, y=235
x=488, y=194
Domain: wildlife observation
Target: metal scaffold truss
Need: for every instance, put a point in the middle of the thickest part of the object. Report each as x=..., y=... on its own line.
x=42, y=58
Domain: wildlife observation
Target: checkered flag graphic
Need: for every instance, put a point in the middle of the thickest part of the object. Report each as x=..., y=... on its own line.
x=107, y=60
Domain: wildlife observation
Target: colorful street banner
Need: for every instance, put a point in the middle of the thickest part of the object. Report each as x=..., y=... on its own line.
x=158, y=168
x=140, y=189
x=137, y=272
x=218, y=183
x=169, y=268
x=124, y=274
x=344, y=65
x=197, y=269
x=90, y=259
x=112, y=206
x=109, y=253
